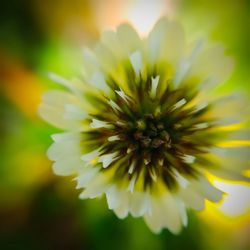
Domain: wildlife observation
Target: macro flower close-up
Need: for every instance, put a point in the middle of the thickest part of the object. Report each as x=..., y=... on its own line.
x=146, y=124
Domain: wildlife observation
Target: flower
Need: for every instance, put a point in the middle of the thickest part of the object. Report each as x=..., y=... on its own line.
x=145, y=124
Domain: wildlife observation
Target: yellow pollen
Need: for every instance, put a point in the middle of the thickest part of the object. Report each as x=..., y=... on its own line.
x=93, y=162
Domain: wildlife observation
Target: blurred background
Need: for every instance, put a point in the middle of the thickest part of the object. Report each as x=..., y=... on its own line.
x=41, y=211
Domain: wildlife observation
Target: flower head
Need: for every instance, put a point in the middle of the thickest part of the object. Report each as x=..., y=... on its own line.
x=145, y=125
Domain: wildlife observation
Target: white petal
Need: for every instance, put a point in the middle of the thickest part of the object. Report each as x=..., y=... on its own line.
x=59, y=79
x=52, y=109
x=131, y=168
x=59, y=98
x=64, y=149
x=181, y=72
x=199, y=107
x=192, y=199
x=207, y=190
x=166, y=42
x=111, y=41
x=230, y=163
x=118, y=200
x=226, y=108
x=107, y=159
x=154, y=223
x=165, y=213
x=108, y=62
x=174, y=43
x=66, y=154
x=201, y=125
x=113, y=197
x=74, y=112
x=182, y=212
x=186, y=63
x=189, y=159
x=122, y=211
x=126, y=32
x=55, y=116
x=114, y=138
x=67, y=136
x=153, y=174
x=96, y=187
x=183, y=182
x=233, y=159
x=154, y=85
x=179, y=104
x=132, y=184
x=140, y=204
x=72, y=85
x=99, y=124
x=98, y=80
x=90, y=156
x=90, y=63
x=89, y=56
x=122, y=94
x=172, y=216
x=67, y=166
x=114, y=105
x=212, y=63
x=136, y=61
x=155, y=38
x=86, y=175
x=229, y=174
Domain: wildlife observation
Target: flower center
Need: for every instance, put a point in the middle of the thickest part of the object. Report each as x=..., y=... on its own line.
x=157, y=137
x=151, y=134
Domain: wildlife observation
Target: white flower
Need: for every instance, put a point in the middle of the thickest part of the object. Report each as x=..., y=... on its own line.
x=144, y=125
